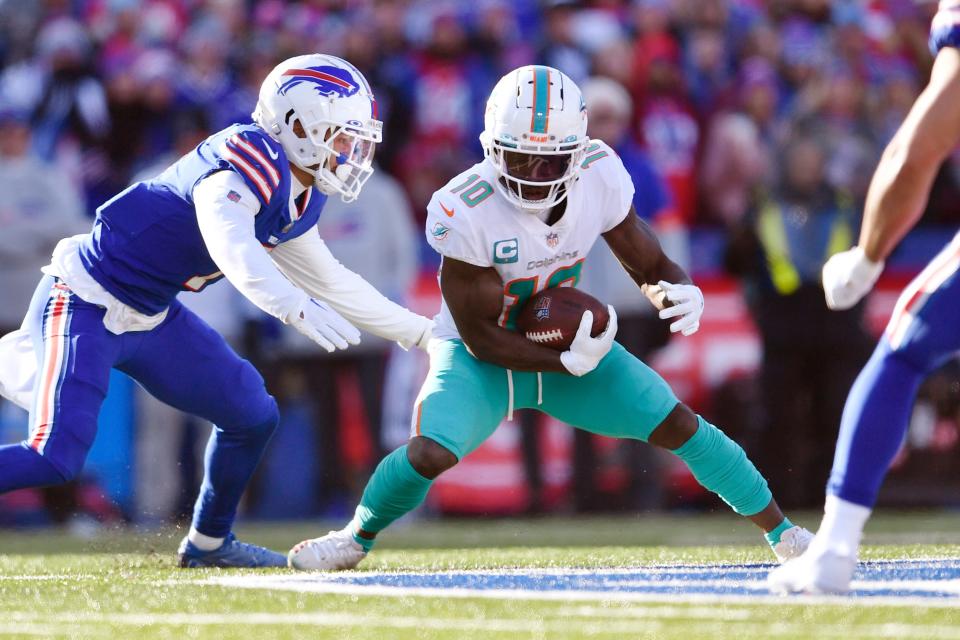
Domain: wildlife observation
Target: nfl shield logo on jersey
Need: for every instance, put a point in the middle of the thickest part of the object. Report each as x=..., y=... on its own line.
x=542, y=308
x=553, y=239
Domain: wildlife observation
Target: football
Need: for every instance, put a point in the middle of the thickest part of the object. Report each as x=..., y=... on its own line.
x=551, y=317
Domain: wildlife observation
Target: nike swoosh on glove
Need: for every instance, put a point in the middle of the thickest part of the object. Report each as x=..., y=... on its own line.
x=321, y=323
x=687, y=302
x=848, y=276
x=586, y=352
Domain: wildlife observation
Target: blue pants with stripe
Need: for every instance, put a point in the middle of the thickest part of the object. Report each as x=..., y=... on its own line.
x=923, y=333
x=182, y=362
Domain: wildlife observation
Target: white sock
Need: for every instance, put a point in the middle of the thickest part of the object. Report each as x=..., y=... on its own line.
x=202, y=542
x=842, y=526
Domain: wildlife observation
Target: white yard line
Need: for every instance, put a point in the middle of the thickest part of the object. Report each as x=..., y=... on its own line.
x=755, y=588
x=51, y=576
x=593, y=596
x=35, y=624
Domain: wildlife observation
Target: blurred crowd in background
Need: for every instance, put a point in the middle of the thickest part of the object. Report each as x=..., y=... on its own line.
x=751, y=129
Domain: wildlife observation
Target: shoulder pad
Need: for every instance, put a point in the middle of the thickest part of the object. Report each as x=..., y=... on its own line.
x=257, y=157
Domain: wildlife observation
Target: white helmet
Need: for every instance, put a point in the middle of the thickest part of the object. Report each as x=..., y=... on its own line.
x=335, y=107
x=535, y=133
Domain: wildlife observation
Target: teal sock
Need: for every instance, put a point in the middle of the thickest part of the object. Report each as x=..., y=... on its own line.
x=720, y=465
x=394, y=490
x=773, y=537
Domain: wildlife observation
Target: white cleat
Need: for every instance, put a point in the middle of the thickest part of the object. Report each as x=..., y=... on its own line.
x=816, y=571
x=333, y=552
x=793, y=542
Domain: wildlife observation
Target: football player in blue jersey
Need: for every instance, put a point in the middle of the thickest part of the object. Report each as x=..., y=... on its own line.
x=242, y=205
x=923, y=332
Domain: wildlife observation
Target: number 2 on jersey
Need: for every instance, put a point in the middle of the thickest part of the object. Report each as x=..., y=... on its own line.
x=517, y=292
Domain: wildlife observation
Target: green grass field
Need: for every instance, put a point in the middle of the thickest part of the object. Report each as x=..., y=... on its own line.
x=124, y=584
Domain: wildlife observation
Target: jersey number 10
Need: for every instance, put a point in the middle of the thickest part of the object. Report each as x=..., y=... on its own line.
x=517, y=292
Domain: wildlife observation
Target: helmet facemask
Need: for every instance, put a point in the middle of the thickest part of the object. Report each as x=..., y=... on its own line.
x=534, y=136
x=345, y=154
x=536, y=177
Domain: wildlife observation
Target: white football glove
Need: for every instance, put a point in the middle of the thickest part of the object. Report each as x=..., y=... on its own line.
x=848, y=276
x=318, y=321
x=585, y=351
x=687, y=302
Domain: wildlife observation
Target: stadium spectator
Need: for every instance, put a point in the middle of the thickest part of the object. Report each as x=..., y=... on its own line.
x=37, y=209
x=737, y=152
x=558, y=48
x=666, y=123
x=68, y=107
x=811, y=354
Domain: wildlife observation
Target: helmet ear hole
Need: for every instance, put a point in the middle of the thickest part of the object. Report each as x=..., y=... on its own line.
x=298, y=129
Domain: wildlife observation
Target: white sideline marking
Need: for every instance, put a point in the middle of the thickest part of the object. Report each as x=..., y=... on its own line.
x=753, y=586
x=52, y=576
x=259, y=582
x=37, y=623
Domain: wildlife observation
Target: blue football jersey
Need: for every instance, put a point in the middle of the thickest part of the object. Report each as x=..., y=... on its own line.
x=945, y=28
x=146, y=246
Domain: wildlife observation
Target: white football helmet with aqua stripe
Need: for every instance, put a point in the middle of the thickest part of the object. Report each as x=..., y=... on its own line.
x=535, y=133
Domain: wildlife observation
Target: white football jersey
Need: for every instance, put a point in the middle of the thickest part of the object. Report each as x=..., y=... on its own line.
x=469, y=220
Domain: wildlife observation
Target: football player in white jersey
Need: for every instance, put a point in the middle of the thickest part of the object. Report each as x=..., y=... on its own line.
x=521, y=221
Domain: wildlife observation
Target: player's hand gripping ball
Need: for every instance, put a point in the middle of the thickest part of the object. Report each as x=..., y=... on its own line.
x=552, y=317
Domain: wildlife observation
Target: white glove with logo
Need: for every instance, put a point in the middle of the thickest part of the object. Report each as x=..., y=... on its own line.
x=848, y=276
x=687, y=302
x=586, y=352
x=318, y=321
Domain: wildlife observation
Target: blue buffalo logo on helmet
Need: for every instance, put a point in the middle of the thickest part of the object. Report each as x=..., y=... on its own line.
x=327, y=81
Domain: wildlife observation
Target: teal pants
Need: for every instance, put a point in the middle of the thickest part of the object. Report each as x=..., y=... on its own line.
x=464, y=399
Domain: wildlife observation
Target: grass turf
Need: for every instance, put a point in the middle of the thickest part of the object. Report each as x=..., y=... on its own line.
x=123, y=584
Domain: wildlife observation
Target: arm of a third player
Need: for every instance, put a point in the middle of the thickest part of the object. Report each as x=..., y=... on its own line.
x=635, y=245
x=898, y=192
x=474, y=296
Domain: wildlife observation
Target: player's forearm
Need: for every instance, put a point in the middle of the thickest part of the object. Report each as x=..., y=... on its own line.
x=670, y=272
x=309, y=264
x=511, y=350
x=895, y=202
x=637, y=248
x=901, y=184
x=360, y=303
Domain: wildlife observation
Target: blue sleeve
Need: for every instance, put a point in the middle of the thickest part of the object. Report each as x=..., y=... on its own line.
x=945, y=29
